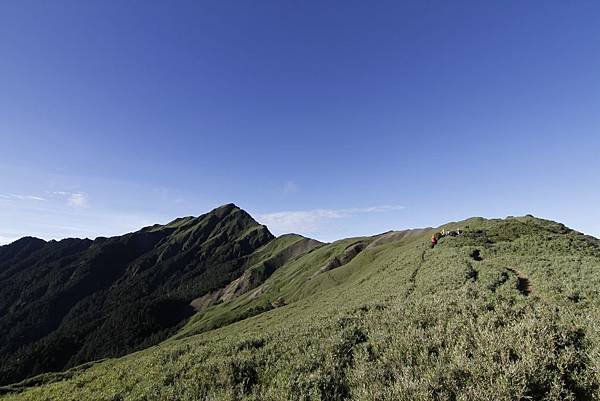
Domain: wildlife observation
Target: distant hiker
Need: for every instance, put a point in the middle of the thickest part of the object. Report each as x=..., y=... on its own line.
x=434, y=239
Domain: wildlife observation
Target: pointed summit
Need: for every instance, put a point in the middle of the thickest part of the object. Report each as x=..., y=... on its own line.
x=139, y=285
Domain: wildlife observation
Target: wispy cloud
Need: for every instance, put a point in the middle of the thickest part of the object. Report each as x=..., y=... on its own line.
x=77, y=200
x=312, y=220
x=22, y=197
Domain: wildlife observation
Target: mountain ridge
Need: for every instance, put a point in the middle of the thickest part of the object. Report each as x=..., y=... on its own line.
x=47, y=285
x=386, y=316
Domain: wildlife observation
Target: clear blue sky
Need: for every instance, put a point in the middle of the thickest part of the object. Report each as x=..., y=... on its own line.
x=327, y=118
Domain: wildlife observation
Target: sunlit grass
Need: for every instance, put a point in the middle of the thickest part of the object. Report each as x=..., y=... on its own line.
x=401, y=321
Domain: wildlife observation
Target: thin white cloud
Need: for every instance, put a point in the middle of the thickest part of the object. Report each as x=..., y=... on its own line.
x=374, y=209
x=290, y=187
x=77, y=200
x=312, y=220
x=22, y=197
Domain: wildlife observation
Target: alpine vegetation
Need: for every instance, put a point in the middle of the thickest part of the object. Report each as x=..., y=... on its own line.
x=217, y=308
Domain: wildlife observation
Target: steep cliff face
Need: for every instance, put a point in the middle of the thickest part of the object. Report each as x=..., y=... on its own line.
x=67, y=302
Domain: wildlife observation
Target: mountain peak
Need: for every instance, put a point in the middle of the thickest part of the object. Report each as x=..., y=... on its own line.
x=70, y=302
x=140, y=284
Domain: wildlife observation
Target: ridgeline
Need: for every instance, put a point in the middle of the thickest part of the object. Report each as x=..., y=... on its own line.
x=218, y=308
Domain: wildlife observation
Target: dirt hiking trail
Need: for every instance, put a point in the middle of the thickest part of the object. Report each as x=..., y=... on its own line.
x=524, y=285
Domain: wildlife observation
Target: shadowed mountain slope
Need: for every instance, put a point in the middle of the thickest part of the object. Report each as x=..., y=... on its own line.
x=67, y=302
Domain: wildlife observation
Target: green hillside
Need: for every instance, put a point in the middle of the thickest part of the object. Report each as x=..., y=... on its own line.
x=63, y=303
x=506, y=310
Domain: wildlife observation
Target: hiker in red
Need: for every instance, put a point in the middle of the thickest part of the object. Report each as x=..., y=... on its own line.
x=434, y=240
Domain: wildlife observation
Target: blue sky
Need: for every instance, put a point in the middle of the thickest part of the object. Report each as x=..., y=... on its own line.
x=331, y=119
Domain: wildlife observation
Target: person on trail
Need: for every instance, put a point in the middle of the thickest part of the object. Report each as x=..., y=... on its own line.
x=434, y=239
x=443, y=233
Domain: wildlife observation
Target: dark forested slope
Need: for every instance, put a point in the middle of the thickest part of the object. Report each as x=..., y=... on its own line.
x=66, y=302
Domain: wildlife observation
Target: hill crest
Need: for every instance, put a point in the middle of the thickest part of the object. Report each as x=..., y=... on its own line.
x=331, y=319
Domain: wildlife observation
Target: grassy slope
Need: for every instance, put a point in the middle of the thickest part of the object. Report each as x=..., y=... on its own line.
x=401, y=321
x=289, y=283
x=228, y=312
